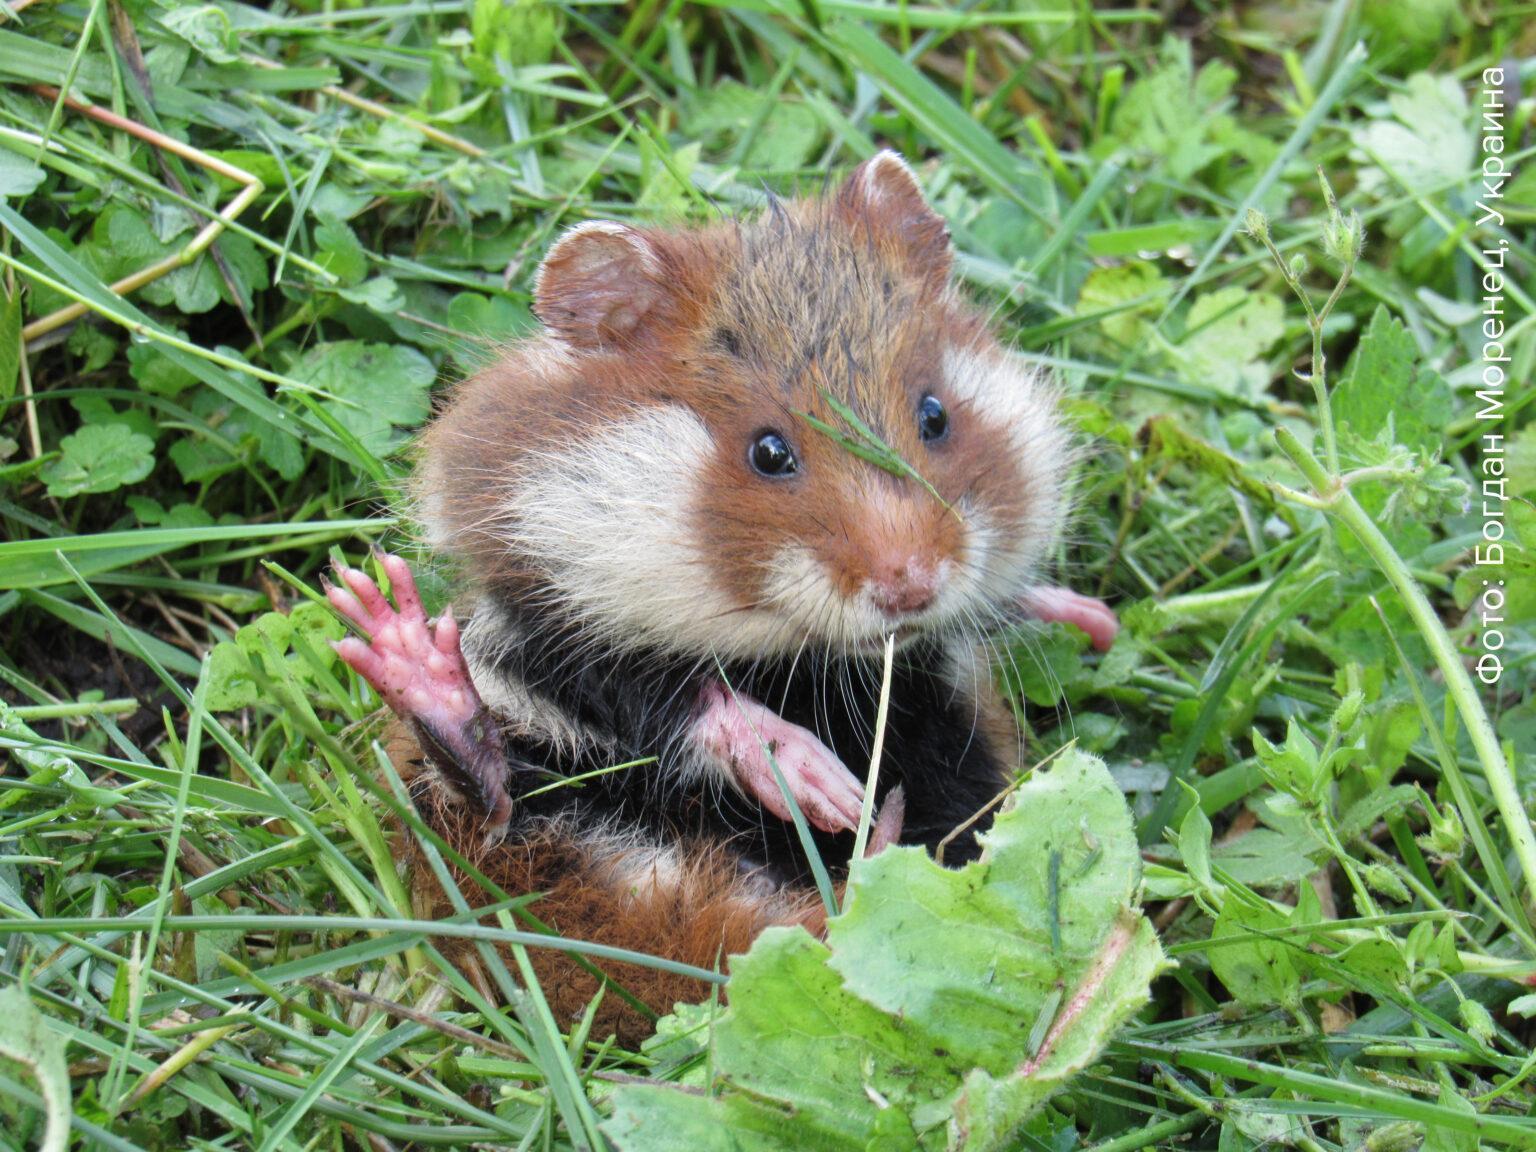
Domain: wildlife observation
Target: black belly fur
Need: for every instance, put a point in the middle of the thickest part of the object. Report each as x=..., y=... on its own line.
x=643, y=702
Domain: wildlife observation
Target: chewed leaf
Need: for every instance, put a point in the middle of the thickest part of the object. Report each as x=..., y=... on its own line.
x=945, y=1006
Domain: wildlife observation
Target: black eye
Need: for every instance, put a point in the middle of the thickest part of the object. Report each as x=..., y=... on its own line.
x=932, y=420
x=771, y=455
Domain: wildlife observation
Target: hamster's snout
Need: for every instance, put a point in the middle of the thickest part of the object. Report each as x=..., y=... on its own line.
x=904, y=585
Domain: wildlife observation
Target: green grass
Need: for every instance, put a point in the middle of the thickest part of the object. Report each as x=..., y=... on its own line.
x=198, y=884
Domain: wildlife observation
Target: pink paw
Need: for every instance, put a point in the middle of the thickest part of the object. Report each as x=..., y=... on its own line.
x=1093, y=616
x=417, y=668
x=413, y=664
x=740, y=733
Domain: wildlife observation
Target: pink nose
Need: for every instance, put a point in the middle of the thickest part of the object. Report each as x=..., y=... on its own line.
x=905, y=589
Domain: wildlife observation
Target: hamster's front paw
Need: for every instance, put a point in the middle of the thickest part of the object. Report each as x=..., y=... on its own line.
x=417, y=668
x=742, y=734
x=1094, y=617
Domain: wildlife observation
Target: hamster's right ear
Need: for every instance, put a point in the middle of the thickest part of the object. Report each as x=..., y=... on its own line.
x=598, y=285
x=882, y=196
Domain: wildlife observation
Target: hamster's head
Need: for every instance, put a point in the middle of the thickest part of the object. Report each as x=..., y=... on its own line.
x=756, y=438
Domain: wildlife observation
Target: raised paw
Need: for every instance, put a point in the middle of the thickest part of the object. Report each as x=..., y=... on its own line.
x=418, y=670
x=413, y=663
x=1094, y=617
x=741, y=734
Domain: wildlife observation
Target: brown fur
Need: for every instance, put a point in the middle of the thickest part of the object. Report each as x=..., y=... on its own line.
x=749, y=325
x=702, y=916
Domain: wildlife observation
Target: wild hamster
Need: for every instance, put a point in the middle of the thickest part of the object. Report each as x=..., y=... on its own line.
x=687, y=514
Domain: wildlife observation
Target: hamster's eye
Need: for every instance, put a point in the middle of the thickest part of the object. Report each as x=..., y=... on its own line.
x=932, y=420
x=771, y=455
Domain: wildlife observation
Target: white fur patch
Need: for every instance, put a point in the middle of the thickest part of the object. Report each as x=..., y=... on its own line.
x=1009, y=393
x=610, y=520
x=641, y=868
x=637, y=869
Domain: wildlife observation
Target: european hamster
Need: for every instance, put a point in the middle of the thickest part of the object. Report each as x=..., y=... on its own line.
x=687, y=514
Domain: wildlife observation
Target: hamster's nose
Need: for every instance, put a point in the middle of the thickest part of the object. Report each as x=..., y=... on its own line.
x=904, y=588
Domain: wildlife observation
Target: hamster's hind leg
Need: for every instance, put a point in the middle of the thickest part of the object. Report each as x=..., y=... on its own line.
x=416, y=666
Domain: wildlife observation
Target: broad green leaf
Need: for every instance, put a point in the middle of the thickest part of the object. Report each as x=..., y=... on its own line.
x=883, y=1037
x=1172, y=117
x=99, y=458
x=231, y=683
x=1384, y=381
x=18, y=175
x=1044, y=663
x=123, y=241
x=1127, y=293
x=488, y=318
x=1438, y=1138
x=206, y=29
x=665, y=192
x=1427, y=143
x=1229, y=332
x=372, y=388
x=338, y=250
x=785, y=133
x=1169, y=438
x=1259, y=971
x=1265, y=858
x=155, y=372
x=379, y=294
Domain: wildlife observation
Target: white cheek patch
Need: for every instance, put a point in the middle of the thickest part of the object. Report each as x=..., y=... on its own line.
x=1015, y=397
x=610, y=520
x=799, y=590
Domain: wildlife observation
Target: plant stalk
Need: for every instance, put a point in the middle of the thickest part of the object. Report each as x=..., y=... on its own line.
x=1340, y=503
x=1485, y=741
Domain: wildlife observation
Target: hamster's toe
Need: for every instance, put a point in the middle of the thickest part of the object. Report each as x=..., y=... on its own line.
x=1094, y=617
x=749, y=739
x=416, y=666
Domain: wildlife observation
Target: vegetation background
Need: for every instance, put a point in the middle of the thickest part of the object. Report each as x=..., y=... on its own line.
x=316, y=214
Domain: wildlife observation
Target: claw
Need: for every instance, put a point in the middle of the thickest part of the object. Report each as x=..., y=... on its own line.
x=748, y=739
x=418, y=669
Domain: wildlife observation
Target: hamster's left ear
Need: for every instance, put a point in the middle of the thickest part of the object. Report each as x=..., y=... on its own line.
x=883, y=197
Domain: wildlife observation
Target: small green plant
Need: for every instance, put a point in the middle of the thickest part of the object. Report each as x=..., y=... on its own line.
x=883, y=1037
x=1418, y=481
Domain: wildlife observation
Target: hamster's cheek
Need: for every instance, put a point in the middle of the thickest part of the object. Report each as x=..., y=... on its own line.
x=799, y=588
x=609, y=520
x=750, y=532
x=1017, y=451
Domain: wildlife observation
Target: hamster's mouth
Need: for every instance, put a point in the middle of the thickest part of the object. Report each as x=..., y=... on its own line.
x=906, y=634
